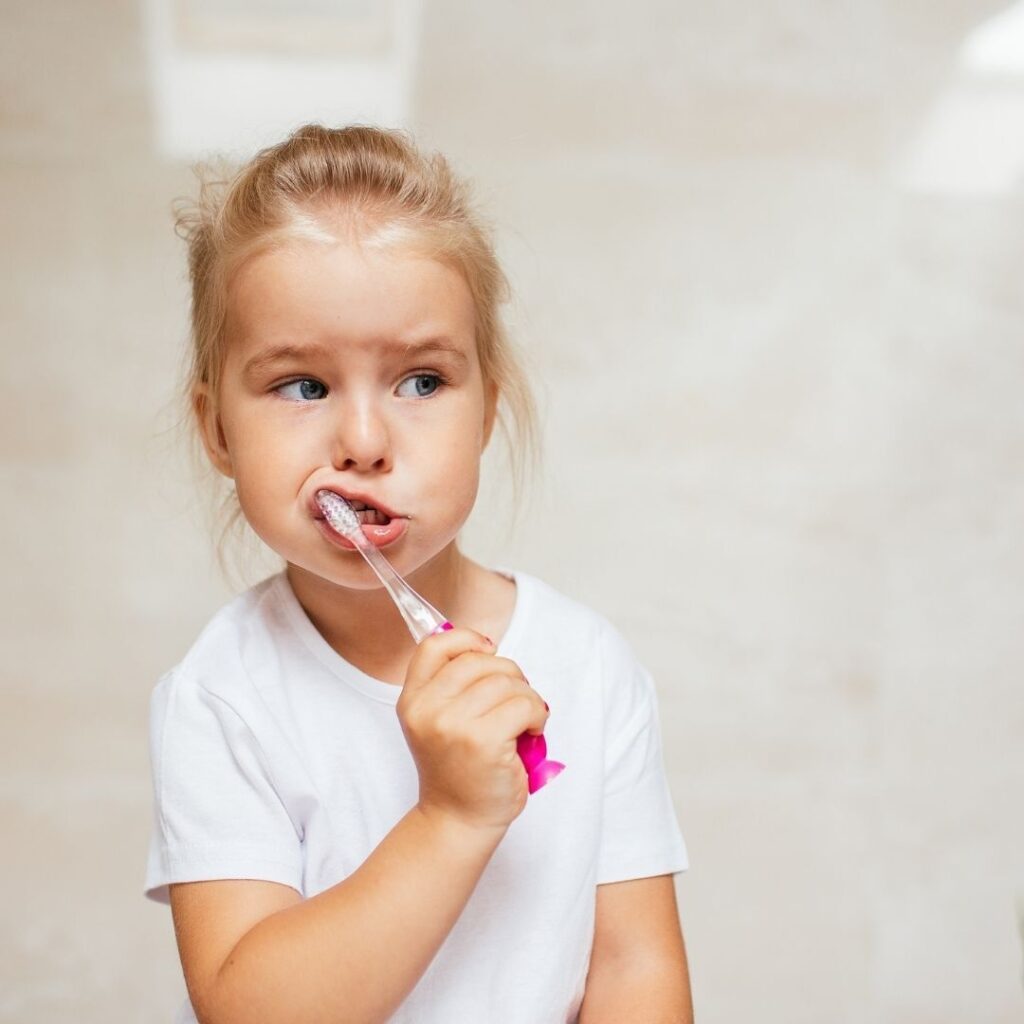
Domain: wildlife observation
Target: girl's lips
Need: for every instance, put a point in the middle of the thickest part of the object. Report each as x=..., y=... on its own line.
x=366, y=499
x=378, y=536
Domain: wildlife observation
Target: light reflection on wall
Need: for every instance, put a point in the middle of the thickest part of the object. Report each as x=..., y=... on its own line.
x=972, y=140
x=228, y=77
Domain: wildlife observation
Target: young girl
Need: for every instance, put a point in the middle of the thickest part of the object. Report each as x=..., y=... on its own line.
x=342, y=826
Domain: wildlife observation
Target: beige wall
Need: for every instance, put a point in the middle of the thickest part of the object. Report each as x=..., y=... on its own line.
x=785, y=453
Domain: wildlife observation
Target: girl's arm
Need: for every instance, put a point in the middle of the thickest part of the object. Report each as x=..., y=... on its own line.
x=349, y=954
x=638, y=968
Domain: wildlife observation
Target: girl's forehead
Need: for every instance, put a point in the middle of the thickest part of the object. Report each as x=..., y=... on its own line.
x=349, y=290
x=344, y=261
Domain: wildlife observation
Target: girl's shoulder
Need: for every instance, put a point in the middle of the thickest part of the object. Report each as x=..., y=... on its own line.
x=563, y=641
x=566, y=620
x=242, y=628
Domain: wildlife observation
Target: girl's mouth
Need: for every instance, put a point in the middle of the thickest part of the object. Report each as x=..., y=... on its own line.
x=378, y=529
x=374, y=514
x=369, y=516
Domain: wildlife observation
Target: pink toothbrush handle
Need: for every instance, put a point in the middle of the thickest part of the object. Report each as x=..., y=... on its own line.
x=532, y=750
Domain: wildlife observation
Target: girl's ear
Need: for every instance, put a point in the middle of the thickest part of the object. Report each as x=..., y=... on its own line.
x=490, y=410
x=211, y=429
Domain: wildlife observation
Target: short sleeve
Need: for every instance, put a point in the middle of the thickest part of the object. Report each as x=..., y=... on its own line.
x=640, y=834
x=216, y=811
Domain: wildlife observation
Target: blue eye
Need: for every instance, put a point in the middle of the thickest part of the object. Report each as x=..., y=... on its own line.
x=426, y=384
x=434, y=383
x=303, y=390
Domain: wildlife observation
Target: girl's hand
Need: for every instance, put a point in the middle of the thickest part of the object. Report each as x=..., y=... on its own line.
x=461, y=709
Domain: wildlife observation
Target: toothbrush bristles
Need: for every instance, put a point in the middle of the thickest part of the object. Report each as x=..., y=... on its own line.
x=338, y=512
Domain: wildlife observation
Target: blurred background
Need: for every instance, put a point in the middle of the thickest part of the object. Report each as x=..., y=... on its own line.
x=767, y=261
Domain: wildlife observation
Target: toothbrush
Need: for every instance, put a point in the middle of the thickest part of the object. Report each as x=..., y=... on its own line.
x=424, y=620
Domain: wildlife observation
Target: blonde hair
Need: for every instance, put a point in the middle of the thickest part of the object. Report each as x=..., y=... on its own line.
x=374, y=185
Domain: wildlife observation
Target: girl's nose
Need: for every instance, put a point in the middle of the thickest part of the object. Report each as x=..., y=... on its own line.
x=361, y=438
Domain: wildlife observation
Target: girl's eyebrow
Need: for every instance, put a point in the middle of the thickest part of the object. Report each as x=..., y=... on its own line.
x=282, y=353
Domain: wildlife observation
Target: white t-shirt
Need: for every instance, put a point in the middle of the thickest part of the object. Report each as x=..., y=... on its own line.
x=274, y=758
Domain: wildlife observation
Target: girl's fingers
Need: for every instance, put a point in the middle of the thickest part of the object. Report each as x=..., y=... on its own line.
x=516, y=715
x=465, y=671
x=437, y=651
x=484, y=695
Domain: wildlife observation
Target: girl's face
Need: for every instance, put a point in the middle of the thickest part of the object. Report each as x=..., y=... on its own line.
x=355, y=371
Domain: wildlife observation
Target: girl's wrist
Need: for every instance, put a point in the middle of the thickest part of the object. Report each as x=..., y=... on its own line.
x=458, y=829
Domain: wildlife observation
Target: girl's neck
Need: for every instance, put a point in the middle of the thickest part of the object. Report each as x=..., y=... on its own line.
x=365, y=628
